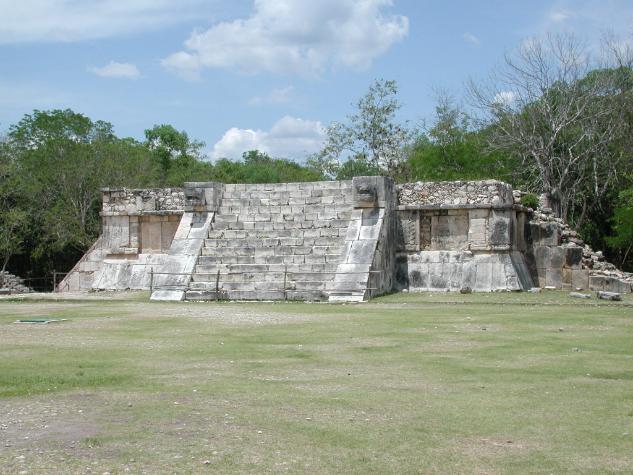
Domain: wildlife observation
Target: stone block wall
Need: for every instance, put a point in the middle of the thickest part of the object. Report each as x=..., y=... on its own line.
x=456, y=229
x=455, y=235
x=273, y=241
x=138, y=227
x=348, y=240
x=367, y=262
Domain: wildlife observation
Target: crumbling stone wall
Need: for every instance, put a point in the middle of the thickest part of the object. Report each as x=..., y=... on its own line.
x=12, y=284
x=558, y=257
x=126, y=201
x=438, y=193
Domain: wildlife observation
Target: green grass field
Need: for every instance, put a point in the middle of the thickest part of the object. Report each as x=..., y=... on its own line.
x=409, y=383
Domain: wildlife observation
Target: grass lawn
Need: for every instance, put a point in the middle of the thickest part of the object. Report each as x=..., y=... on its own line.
x=409, y=383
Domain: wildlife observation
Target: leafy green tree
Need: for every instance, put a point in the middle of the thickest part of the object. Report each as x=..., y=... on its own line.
x=13, y=218
x=451, y=149
x=63, y=159
x=372, y=134
x=172, y=148
x=355, y=167
x=259, y=167
x=622, y=240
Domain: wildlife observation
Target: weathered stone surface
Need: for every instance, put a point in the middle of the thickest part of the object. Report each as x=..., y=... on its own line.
x=12, y=284
x=573, y=257
x=609, y=295
x=454, y=270
x=202, y=196
x=173, y=277
x=578, y=295
x=370, y=245
x=141, y=201
x=488, y=192
x=348, y=240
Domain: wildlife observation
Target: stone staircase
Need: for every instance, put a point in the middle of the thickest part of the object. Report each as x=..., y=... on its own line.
x=274, y=242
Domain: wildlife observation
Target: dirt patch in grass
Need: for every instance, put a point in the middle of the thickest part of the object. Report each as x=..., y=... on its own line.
x=39, y=420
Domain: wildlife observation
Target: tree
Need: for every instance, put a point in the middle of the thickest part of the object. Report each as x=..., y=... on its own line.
x=451, y=149
x=371, y=134
x=352, y=168
x=559, y=121
x=171, y=147
x=259, y=167
x=62, y=159
x=623, y=226
x=13, y=219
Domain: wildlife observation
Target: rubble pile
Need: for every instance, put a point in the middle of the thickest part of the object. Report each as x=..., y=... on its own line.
x=591, y=260
x=486, y=192
x=12, y=284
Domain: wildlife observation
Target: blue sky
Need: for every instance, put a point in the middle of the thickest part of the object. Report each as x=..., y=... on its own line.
x=267, y=74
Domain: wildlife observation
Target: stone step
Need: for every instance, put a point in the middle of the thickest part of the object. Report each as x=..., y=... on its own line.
x=319, y=245
x=269, y=236
x=256, y=281
x=208, y=275
x=270, y=259
x=263, y=198
x=305, y=283
x=263, y=268
x=276, y=228
x=280, y=215
x=329, y=247
x=289, y=191
x=283, y=205
x=307, y=234
x=310, y=295
x=212, y=266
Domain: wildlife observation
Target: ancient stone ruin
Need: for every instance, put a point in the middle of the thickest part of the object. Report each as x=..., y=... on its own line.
x=12, y=284
x=333, y=241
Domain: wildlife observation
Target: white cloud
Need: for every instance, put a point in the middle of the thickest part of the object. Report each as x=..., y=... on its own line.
x=289, y=137
x=294, y=37
x=276, y=96
x=72, y=20
x=505, y=98
x=116, y=70
x=472, y=39
x=558, y=16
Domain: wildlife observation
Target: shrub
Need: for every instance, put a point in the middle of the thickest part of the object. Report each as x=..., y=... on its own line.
x=530, y=200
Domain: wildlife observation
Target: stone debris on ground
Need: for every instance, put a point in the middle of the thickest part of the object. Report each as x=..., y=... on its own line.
x=579, y=295
x=591, y=260
x=12, y=284
x=615, y=296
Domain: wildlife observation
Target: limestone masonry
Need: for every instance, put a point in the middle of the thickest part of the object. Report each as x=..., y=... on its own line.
x=333, y=241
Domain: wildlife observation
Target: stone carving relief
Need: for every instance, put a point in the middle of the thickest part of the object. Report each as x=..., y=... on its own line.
x=366, y=194
x=407, y=231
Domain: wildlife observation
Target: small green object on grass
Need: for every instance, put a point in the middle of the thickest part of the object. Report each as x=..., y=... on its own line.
x=41, y=321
